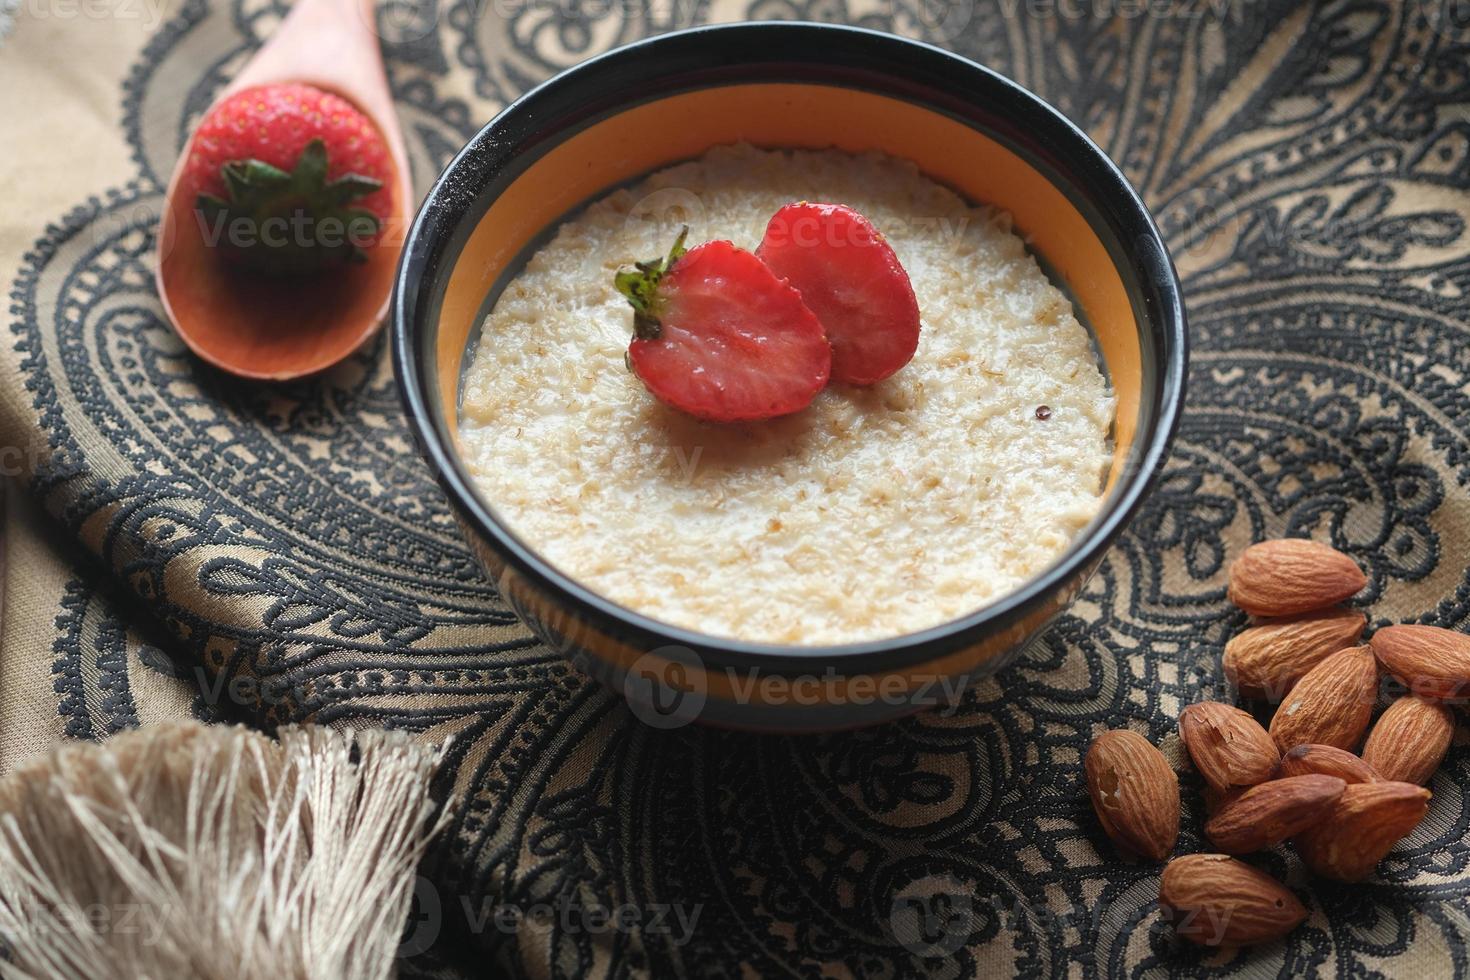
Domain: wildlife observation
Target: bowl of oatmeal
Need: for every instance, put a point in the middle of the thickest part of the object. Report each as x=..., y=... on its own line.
x=889, y=542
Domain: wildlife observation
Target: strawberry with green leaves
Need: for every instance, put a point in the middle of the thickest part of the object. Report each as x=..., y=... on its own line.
x=717, y=335
x=289, y=179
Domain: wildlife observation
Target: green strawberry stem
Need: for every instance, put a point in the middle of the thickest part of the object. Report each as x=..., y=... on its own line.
x=290, y=223
x=640, y=287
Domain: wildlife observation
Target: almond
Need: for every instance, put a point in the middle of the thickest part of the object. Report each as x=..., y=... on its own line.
x=1265, y=661
x=1362, y=827
x=1215, y=900
x=1332, y=704
x=1327, y=760
x=1228, y=746
x=1292, y=575
x=1409, y=740
x=1265, y=815
x=1135, y=794
x=1431, y=662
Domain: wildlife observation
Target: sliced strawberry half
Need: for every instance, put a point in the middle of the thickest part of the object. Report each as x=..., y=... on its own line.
x=718, y=336
x=852, y=280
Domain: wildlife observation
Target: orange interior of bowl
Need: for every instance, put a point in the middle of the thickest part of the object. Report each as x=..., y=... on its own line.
x=683, y=126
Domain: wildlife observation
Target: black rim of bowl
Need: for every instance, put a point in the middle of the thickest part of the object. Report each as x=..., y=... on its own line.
x=704, y=57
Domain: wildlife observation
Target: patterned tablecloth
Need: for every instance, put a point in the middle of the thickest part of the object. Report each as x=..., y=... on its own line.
x=187, y=544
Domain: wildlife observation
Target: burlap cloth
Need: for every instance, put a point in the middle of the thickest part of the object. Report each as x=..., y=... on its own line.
x=180, y=543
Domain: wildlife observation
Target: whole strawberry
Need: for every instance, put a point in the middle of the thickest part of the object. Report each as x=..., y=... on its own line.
x=289, y=179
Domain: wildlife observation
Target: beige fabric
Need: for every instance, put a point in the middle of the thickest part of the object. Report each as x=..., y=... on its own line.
x=35, y=579
x=1306, y=161
x=62, y=62
x=45, y=90
x=63, y=66
x=41, y=589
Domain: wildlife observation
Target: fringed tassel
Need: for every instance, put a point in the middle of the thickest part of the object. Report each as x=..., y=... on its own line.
x=186, y=850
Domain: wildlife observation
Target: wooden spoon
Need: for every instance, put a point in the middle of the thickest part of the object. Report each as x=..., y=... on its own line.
x=273, y=327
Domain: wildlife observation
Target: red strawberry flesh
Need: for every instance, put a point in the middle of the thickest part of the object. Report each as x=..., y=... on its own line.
x=725, y=340
x=851, y=279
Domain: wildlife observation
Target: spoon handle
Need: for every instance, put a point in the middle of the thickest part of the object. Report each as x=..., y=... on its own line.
x=329, y=43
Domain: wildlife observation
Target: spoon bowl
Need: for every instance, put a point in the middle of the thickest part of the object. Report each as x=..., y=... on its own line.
x=278, y=327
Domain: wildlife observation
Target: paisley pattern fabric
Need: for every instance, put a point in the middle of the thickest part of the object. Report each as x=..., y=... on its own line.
x=280, y=552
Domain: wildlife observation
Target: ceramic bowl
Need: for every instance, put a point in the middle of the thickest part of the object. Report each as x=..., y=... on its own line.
x=616, y=117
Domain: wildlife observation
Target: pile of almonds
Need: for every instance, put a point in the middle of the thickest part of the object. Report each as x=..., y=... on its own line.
x=1297, y=780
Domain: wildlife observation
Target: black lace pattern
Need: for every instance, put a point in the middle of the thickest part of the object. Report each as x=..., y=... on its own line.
x=1308, y=162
